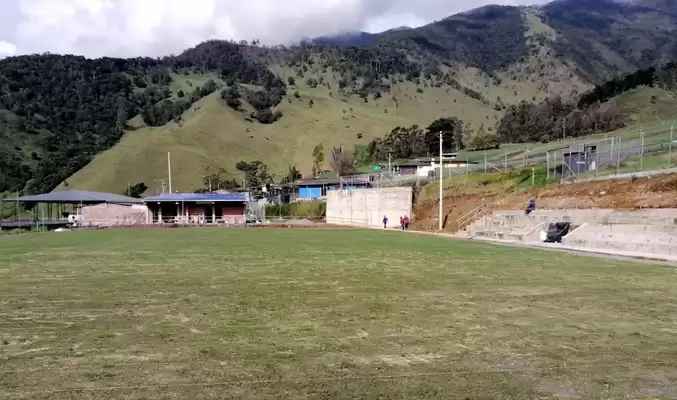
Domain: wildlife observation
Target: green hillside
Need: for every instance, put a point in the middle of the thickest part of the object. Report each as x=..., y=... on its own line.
x=213, y=136
x=67, y=121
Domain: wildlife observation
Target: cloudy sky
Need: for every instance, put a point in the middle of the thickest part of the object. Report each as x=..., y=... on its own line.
x=160, y=27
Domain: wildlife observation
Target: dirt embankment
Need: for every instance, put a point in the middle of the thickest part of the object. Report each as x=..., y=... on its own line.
x=655, y=192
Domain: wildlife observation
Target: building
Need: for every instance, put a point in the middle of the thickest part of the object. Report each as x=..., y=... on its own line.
x=580, y=162
x=316, y=189
x=111, y=214
x=79, y=208
x=198, y=208
x=423, y=167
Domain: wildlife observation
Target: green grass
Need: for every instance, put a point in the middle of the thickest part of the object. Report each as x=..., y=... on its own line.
x=331, y=314
x=302, y=209
x=490, y=182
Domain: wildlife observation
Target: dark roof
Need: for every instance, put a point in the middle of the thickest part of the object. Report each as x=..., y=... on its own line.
x=412, y=163
x=76, y=197
x=216, y=197
x=427, y=162
x=330, y=181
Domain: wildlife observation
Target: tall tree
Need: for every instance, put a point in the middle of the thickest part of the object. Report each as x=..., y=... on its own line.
x=452, y=130
x=318, y=159
x=136, y=190
x=292, y=175
x=342, y=162
x=256, y=173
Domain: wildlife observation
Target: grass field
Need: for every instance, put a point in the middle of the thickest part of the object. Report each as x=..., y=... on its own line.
x=331, y=314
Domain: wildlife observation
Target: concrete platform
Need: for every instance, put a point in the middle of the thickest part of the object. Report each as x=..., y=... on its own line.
x=646, y=233
x=606, y=253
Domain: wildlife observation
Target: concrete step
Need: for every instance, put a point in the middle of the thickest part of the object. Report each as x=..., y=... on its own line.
x=637, y=220
x=632, y=228
x=653, y=248
x=659, y=238
x=649, y=213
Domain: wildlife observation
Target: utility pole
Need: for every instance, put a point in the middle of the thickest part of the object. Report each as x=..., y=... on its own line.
x=169, y=170
x=390, y=170
x=440, y=216
x=670, y=146
x=641, y=158
x=564, y=128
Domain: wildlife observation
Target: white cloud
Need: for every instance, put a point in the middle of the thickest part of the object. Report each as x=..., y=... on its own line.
x=159, y=27
x=7, y=49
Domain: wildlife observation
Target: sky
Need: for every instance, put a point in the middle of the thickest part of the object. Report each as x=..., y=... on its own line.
x=128, y=28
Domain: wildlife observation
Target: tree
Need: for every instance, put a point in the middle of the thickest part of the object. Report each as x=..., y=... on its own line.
x=452, y=130
x=136, y=190
x=292, y=175
x=208, y=88
x=318, y=159
x=180, y=94
x=482, y=140
x=342, y=162
x=267, y=116
x=213, y=179
x=232, y=97
x=256, y=173
x=291, y=81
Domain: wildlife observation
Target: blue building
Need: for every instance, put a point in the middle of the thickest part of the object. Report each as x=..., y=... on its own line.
x=316, y=189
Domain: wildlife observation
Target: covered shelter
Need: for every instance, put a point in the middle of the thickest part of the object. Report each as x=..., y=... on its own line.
x=75, y=207
x=198, y=208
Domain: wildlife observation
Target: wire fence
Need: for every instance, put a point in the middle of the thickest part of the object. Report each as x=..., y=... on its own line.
x=574, y=160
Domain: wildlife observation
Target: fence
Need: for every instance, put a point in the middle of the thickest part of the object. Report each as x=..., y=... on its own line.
x=613, y=156
x=572, y=160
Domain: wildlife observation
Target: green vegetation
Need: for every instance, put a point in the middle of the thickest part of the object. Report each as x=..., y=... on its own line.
x=338, y=314
x=302, y=209
x=100, y=124
x=495, y=182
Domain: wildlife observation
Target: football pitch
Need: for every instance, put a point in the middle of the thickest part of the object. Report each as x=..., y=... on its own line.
x=326, y=314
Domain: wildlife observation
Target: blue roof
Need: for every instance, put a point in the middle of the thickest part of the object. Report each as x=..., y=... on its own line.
x=174, y=197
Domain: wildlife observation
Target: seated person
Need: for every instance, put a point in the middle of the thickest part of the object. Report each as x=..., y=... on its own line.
x=531, y=207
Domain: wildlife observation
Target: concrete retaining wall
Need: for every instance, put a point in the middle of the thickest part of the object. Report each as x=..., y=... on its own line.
x=649, y=231
x=366, y=207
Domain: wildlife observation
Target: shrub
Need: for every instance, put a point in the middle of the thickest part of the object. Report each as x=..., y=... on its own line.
x=304, y=209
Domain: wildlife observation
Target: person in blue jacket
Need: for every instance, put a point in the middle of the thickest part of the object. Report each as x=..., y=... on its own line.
x=385, y=221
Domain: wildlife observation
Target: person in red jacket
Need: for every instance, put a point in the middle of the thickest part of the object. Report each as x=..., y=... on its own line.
x=405, y=224
x=402, y=222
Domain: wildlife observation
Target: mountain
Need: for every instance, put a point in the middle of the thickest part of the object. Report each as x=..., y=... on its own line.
x=102, y=124
x=358, y=38
x=347, y=39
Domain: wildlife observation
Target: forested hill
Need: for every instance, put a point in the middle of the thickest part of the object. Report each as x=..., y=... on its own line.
x=57, y=112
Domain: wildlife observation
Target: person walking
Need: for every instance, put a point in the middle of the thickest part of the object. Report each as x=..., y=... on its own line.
x=405, y=224
x=402, y=222
x=385, y=221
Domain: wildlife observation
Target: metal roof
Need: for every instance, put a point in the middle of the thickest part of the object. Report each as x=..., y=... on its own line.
x=216, y=197
x=76, y=197
x=331, y=181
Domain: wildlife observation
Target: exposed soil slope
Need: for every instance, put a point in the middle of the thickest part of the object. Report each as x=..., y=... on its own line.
x=655, y=192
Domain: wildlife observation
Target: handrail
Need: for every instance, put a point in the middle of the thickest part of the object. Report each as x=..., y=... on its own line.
x=474, y=214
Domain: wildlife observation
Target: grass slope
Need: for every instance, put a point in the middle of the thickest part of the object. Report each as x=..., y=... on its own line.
x=214, y=136
x=647, y=105
x=288, y=313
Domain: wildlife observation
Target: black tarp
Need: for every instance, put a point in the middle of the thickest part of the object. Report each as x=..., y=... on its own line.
x=557, y=231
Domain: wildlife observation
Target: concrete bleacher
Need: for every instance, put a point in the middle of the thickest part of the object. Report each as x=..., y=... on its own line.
x=648, y=231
